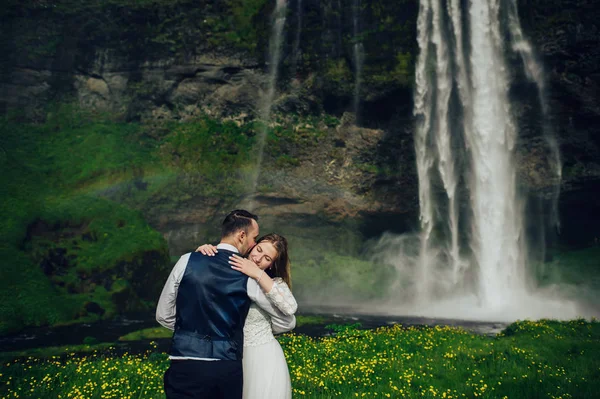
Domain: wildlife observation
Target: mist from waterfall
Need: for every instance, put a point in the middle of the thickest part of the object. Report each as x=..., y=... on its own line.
x=357, y=56
x=266, y=102
x=472, y=252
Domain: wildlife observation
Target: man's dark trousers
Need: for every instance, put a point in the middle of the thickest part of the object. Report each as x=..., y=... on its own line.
x=204, y=379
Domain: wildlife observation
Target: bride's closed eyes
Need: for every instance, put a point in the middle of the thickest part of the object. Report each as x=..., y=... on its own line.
x=267, y=257
x=263, y=254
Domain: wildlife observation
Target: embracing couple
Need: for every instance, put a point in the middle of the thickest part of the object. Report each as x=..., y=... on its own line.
x=224, y=304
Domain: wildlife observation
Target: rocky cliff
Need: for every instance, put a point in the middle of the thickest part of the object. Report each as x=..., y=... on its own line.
x=330, y=177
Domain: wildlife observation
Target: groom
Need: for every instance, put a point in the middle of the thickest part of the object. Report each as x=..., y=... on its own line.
x=206, y=302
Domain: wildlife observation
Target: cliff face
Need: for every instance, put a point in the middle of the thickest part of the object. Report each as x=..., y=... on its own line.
x=167, y=61
x=566, y=35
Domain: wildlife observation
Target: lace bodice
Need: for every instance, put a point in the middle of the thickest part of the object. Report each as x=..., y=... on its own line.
x=257, y=329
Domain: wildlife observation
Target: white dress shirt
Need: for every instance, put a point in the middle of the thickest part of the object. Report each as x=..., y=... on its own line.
x=166, y=309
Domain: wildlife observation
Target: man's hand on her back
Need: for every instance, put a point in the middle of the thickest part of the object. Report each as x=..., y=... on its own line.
x=207, y=249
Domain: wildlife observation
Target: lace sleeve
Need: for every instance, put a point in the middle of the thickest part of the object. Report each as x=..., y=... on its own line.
x=281, y=297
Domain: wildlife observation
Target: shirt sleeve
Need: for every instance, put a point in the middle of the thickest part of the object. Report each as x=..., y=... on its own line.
x=280, y=322
x=282, y=298
x=165, y=310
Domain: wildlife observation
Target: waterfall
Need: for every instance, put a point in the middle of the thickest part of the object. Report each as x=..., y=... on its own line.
x=465, y=140
x=424, y=157
x=358, y=56
x=497, y=240
x=433, y=131
x=275, y=43
x=446, y=158
x=535, y=73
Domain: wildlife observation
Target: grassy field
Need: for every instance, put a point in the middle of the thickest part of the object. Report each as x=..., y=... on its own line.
x=544, y=359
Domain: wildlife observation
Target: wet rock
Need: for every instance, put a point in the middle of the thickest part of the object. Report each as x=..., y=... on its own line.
x=93, y=307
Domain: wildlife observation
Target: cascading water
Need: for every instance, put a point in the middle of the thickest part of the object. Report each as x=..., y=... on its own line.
x=275, y=43
x=358, y=56
x=423, y=156
x=497, y=240
x=446, y=164
x=535, y=73
x=465, y=150
x=433, y=132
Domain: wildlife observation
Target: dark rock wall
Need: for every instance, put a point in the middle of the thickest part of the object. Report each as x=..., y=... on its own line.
x=566, y=35
x=181, y=59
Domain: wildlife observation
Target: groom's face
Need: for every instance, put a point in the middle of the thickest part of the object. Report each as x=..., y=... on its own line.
x=250, y=239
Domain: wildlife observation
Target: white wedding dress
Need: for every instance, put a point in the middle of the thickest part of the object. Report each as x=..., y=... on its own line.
x=266, y=374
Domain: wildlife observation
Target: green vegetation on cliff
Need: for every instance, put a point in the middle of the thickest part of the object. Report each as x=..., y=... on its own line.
x=74, y=243
x=70, y=31
x=387, y=33
x=67, y=252
x=80, y=190
x=78, y=35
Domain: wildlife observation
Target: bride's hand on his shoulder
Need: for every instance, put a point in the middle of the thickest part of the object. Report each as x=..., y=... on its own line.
x=207, y=249
x=245, y=266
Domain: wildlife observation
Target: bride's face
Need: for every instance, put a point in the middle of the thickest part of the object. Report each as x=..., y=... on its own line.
x=263, y=254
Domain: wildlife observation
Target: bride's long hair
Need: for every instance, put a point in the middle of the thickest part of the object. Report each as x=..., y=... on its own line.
x=281, y=266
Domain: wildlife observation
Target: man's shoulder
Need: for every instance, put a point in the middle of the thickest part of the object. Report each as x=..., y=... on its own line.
x=222, y=255
x=197, y=256
x=185, y=257
x=191, y=256
x=219, y=263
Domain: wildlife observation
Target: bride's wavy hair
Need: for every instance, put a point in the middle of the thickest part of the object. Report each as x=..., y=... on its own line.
x=281, y=266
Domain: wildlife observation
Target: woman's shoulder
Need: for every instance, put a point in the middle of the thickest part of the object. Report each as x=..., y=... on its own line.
x=280, y=282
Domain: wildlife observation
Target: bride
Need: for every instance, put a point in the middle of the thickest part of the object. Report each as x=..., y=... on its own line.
x=266, y=373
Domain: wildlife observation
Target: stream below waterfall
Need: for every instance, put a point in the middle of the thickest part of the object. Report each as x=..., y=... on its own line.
x=110, y=330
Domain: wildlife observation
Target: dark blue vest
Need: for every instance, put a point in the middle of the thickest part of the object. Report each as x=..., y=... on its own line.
x=211, y=307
